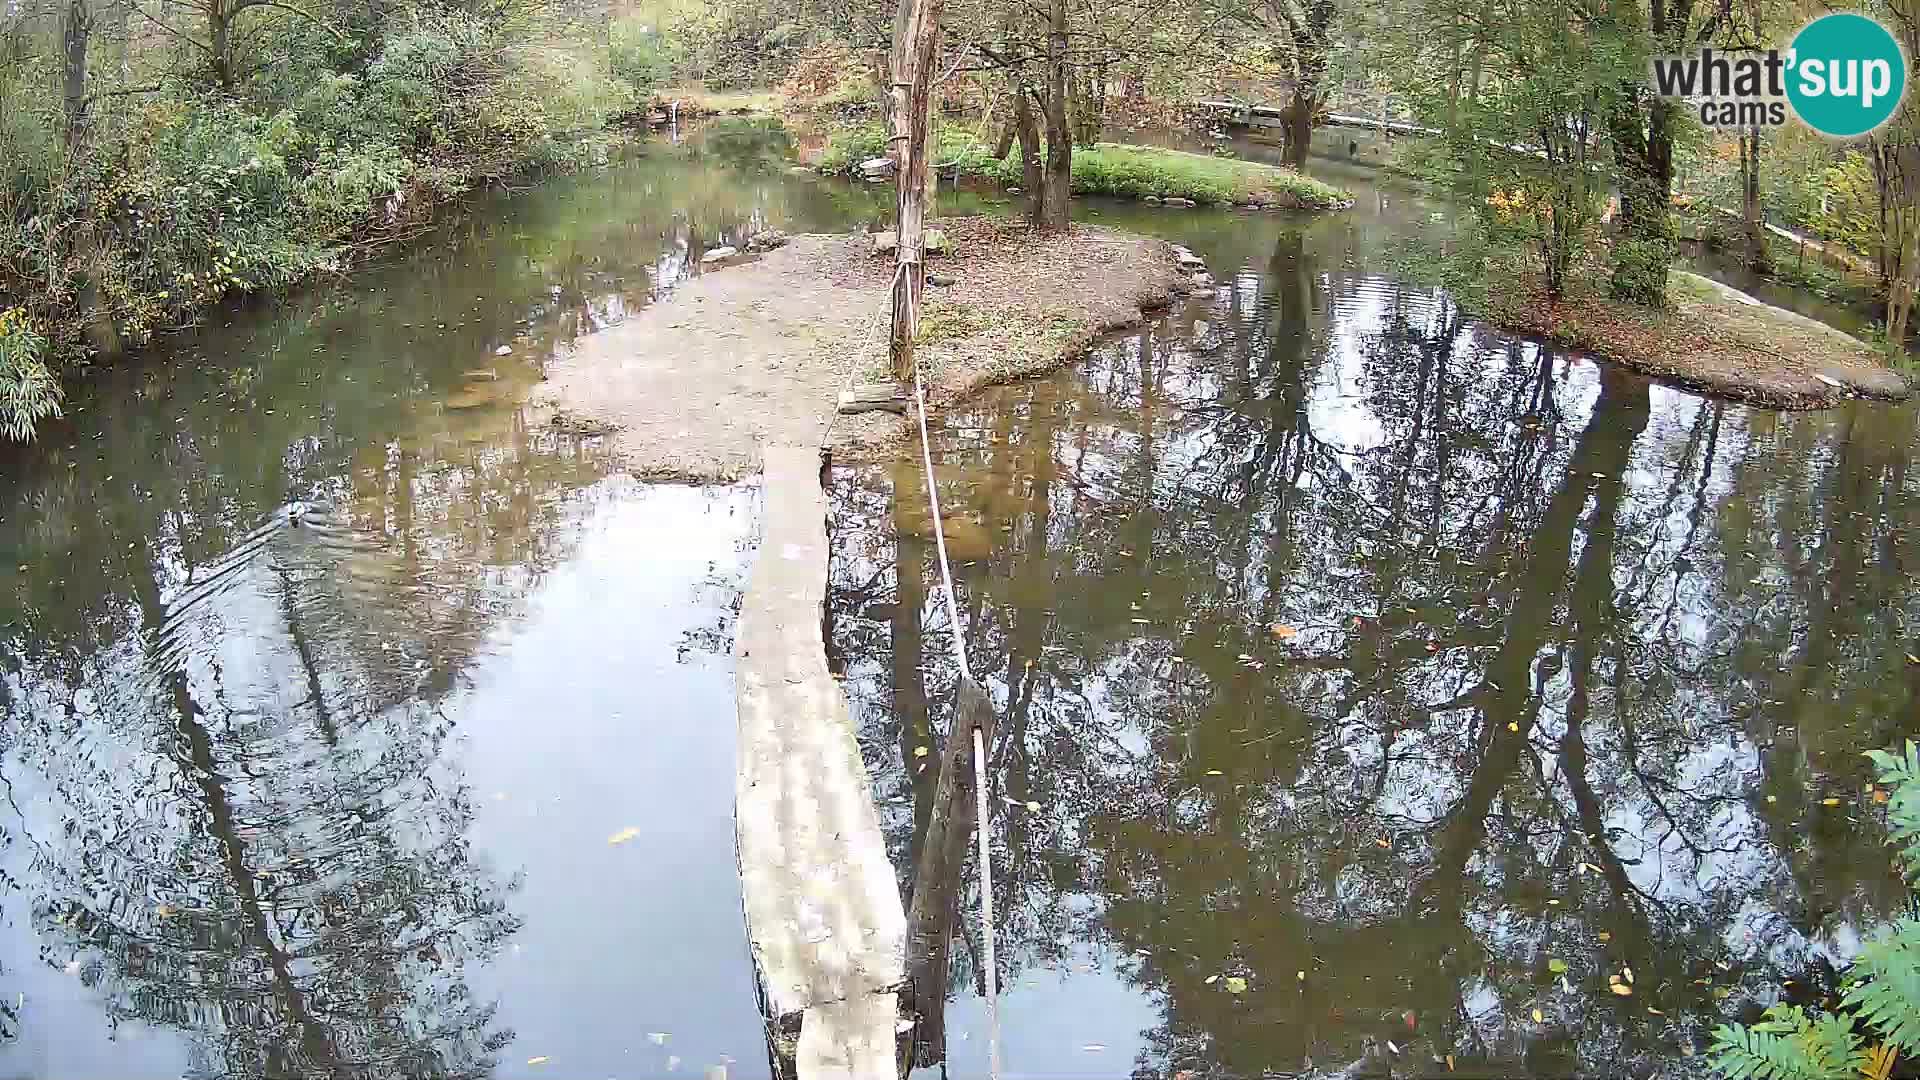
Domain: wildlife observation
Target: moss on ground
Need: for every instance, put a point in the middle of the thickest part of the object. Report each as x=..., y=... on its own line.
x=1122, y=171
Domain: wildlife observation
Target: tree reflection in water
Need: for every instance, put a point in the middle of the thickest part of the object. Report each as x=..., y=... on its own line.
x=1392, y=665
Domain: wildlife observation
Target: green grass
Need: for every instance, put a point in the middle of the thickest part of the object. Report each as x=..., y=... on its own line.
x=1127, y=172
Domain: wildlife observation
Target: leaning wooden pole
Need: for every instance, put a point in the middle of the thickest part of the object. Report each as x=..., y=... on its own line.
x=913, y=94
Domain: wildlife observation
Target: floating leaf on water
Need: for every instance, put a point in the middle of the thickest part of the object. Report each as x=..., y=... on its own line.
x=1539, y=1017
x=623, y=835
x=1604, y=936
x=1879, y=796
x=903, y=1027
x=1215, y=772
x=1686, y=1049
x=1773, y=798
x=1589, y=866
x=1513, y=725
x=919, y=751
x=166, y=911
x=1627, y=973
x=1557, y=966
x=1236, y=985
x=1621, y=988
x=1300, y=975
x=1392, y=1047
x=73, y=966
x=541, y=1060
x=1282, y=630
x=1655, y=1011
x=1383, y=842
x=1033, y=807
x=1449, y=1062
x=1211, y=979
x=1093, y=1048
x=658, y=1038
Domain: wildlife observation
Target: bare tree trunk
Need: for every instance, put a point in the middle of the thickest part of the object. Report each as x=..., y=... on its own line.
x=1751, y=218
x=76, y=28
x=1057, y=187
x=913, y=91
x=219, y=27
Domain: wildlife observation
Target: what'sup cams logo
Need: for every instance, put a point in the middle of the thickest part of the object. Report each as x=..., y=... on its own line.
x=1844, y=76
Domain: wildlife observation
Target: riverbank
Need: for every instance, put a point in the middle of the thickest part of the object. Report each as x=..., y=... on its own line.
x=759, y=351
x=1713, y=339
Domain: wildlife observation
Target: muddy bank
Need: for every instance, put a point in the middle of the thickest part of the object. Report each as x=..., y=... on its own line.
x=756, y=350
x=1718, y=341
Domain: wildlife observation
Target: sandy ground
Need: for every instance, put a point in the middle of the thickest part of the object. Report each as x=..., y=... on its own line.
x=757, y=351
x=1719, y=341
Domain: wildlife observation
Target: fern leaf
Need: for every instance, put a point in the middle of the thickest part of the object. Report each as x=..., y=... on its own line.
x=1900, y=773
x=1773, y=1050
x=1879, y=1063
x=1887, y=995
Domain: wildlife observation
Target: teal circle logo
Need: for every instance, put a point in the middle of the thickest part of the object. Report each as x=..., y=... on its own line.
x=1845, y=75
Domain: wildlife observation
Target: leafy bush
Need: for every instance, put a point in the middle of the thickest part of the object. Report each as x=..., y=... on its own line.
x=1640, y=271
x=1882, y=1000
x=28, y=391
x=641, y=56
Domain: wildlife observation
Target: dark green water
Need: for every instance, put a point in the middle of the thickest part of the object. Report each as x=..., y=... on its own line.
x=440, y=783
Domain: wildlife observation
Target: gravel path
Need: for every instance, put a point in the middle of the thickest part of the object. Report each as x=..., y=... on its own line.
x=757, y=353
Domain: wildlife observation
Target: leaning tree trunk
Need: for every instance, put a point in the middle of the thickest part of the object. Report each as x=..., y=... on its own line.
x=1032, y=171
x=913, y=89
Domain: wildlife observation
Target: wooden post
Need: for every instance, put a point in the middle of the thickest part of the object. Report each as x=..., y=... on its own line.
x=912, y=87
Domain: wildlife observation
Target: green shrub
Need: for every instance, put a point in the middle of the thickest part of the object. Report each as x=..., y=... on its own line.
x=1640, y=271
x=28, y=391
x=641, y=56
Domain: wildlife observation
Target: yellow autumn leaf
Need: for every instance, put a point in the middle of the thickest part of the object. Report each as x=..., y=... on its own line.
x=621, y=837
x=1282, y=630
x=165, y=911
x=1383, y=842
x=1449, y=1062
x=1879, y=1063
x=1604, y=936
x=1829, y=802
x=1236, y=985
x=541, y=1060
x=1539, y=1017
x=1621, y=988
x=919, y=751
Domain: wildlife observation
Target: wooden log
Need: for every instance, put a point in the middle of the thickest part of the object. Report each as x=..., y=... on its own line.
x=873, y=397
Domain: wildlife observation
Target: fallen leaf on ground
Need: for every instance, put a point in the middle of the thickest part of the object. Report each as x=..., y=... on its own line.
x=623, y=835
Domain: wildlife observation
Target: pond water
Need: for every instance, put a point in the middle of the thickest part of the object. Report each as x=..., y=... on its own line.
x=1357, y=670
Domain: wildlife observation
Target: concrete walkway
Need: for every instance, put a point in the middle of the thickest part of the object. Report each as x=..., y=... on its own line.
x=823, y=909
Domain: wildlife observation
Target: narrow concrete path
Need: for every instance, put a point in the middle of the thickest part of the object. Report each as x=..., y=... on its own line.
x=823, y=909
